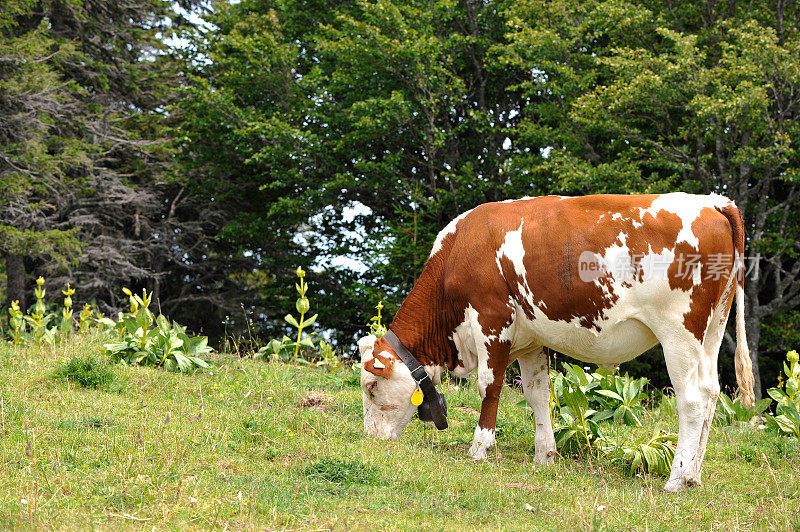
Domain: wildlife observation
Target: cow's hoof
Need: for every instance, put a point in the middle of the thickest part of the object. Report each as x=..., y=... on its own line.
x=481, y=443
x=545, y=458
x=674, y=485
x=478, y=451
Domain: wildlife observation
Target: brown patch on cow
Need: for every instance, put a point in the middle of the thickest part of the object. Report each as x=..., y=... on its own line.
x=315, y=399
x=556, y=221
x=681, y=272
x=716, y=254
x=386, y=371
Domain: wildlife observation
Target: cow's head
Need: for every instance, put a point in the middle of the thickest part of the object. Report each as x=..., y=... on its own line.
x=387, y=385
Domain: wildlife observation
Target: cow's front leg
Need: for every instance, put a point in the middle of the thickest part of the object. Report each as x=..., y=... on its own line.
x=491, y=372
x=484, y=437
x=535, y=373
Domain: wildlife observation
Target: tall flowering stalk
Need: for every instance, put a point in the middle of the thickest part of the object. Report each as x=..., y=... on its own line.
x=37, y=318
x=17, y=323
x=377, y=328
x=302, y=305
x=67, y=312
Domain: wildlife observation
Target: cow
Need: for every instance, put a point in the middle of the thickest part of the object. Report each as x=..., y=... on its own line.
x=600, y=278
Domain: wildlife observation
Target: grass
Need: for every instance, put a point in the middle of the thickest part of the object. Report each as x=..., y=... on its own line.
x=255, y=445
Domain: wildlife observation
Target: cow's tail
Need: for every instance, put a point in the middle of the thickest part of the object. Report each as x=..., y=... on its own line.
x=744, y=366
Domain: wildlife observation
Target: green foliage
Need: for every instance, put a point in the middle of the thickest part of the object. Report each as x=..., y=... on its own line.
x=167, y=346
x=41, y=326
x=576, y=429
x=787, y=395
x=88, y=372
x=397, y=110
x=786, y=422
x=653, y=455
x=582, y=401
x=668, y=408
x=39, y=318
x=608, y=394
x=301, y=349
x=376, y=327
x=342, y=472
x=788, y=392
x=730, y=411
x=16, y=323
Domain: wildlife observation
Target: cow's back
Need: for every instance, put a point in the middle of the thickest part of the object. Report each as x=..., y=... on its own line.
x=579, y=270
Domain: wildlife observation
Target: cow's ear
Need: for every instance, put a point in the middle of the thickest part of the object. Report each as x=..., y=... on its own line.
x=380, y=366
x=366, y=345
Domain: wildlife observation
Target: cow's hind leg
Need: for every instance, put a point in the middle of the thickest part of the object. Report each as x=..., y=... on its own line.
x=535, y=372
x=692, y=370
x=711, y=345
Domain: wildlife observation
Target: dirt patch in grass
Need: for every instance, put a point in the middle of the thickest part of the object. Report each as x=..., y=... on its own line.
x=316, y=400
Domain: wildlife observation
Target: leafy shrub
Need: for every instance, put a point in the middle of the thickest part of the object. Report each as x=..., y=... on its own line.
x=287, y=349
x=87, y=372
x=668, y=408
x=576, y=430
x=582, y=401
x=303, y=349
x=163, y=346
x=609, y=394
x=376, y=328
x=730, y=411
x=787, y=395
x=653, y=455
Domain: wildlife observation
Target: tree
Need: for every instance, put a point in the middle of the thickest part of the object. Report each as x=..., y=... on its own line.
x=396, y=109
x=700, y=97
x=85, y=164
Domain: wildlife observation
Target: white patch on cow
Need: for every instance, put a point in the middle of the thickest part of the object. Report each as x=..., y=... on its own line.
x=448, y=229
x=482, y=441
x=616, y=216
x=513, y=250
x=697, y=277
x=687, y=207
x=471, y=344
x=616, y=259
x=435, y=373
x=656, y=265
x=462, y=337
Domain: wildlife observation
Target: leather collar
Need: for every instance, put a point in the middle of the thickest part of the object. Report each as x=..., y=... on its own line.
x=430, y=398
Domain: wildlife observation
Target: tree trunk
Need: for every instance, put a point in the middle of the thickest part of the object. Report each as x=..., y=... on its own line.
x=15, y=280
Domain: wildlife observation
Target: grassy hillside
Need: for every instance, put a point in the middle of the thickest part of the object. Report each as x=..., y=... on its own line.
x=257, y=445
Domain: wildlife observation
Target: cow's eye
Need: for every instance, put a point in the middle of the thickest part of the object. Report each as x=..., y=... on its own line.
x=371, y=387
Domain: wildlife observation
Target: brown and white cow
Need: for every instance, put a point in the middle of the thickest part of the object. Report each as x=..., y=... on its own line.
x=600, y=278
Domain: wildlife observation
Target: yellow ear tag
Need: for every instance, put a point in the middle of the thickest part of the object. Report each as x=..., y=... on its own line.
x=416, y=397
